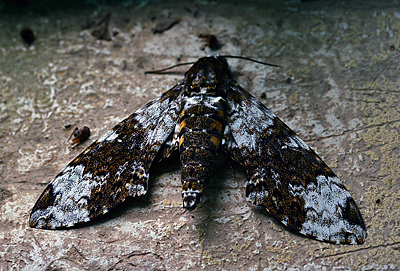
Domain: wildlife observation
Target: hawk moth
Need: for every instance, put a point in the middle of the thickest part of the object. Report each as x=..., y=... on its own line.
x=207, y=113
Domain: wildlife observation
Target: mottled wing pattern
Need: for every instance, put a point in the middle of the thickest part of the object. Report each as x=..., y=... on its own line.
x=286, y=177
x=111, y=169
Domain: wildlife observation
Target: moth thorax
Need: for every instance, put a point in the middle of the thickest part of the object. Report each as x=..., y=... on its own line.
x=210, y=90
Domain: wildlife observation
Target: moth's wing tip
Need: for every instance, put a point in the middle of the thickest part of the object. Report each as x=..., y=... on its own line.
x=360, y=239
x=42, y=224
x=353, y=216
x=39, y=223
x=57, y=217
x=32, y=223
x=357, y=238
x=347, y=234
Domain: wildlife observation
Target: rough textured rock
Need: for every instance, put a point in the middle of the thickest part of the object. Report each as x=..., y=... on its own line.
x=338, y=88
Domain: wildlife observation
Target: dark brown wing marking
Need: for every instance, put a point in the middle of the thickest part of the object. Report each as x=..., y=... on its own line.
x=111, y=169
x=286, y=177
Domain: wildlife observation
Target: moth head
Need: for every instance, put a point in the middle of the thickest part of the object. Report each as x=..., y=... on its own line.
x=208, y=75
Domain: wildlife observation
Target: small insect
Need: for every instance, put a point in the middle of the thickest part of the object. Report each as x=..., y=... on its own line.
x=79, y=135
x=211, y=41
x=207, y=113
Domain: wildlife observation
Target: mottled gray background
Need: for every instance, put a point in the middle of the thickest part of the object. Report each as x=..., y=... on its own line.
x=338, y=89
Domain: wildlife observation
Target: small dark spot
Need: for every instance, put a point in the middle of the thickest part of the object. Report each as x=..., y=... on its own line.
x=140, y=64
x=27, y=35
x=129, y=66
x=115, y=32
x=67, y=126
x=211, y=42
x=378, y=201
x=288, y=80
x=4, y=194
x=263, y=95
x=279, y=22
x=392, y=48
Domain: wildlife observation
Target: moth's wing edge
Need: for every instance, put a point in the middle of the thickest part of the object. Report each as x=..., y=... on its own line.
x=286, y=177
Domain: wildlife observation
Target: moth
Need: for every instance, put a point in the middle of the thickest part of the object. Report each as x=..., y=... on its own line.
x=207, y=113
x=211, y=41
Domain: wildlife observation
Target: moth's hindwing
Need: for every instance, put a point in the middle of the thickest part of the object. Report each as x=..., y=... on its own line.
x=111, y=169
x=286, y=177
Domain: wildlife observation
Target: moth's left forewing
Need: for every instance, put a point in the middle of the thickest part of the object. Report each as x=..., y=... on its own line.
x=286, y=177
x=113, y=168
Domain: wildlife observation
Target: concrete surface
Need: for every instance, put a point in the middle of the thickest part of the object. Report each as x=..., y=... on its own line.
x=338, y=89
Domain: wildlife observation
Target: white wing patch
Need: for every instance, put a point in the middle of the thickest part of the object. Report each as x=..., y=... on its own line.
x=70, y=198
x=324, y=203
x=109, y=136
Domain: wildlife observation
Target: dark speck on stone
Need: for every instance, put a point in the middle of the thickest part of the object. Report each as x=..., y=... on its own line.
x=27, y=35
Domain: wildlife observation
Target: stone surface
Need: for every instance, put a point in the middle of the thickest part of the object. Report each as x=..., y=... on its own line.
x=338, y=89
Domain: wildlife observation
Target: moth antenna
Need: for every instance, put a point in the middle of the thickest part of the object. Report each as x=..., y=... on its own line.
x=161, y=71
x=76, y=128
x=250, y=59
x=168, y=68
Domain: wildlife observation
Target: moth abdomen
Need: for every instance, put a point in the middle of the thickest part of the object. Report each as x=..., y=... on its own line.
x=201, y=129
x=198, y=150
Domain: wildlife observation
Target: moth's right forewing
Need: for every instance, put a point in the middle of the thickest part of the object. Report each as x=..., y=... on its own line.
x=286, y=177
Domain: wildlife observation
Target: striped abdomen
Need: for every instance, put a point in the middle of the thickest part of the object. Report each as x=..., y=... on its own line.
x=202, y=124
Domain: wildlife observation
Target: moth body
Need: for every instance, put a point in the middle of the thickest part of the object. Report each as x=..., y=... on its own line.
x=202, y=124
